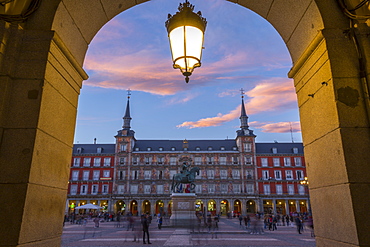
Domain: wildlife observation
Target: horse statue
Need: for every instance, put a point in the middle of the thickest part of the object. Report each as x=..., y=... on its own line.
x=185, y=177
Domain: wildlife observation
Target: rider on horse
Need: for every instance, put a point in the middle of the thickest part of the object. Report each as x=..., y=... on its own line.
x=185, y=170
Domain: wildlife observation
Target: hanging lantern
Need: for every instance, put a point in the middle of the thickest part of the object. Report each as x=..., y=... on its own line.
x=186, y=34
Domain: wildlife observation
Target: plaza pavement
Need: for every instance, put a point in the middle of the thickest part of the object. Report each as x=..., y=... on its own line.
x=229, y=234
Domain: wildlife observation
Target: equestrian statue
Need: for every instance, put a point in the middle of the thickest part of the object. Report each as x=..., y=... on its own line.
x=185, y=176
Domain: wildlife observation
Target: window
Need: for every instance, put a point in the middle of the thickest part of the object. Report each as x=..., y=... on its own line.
x=235, y=160
x=160, y=160
x=276, y=161
x=274, y=150
x=198, y=176
x=147, y=189
x=149, y=149
x=94, y=189
x=209, y=148
x=290, y=189
x=223, y=174
x=211, y=188
x=248, y=147
x=133, y=189
x=134, y=160
x=287, y=161
x=134, y=174
x=147, y=174
x=210, y=174
x=197, y=149
x=236, y=188
x=123, y=147
x=223, y=188
x=160, y=189
x=75, y=175
x=173, y=149
x=148, y=160
x=236, y=174
x=76, y=161
x=250, y=188
x=97, y=161
x=198, y=189
x=105, y=189
x=79, y=150
x=122, y=175
x=160, y=174
x=210, y=159
x=222, y=160
x=301, y=189
x=160, y=149
x=264, y=162
x=87, y=161
x=99, y=150
x=235, y=148
x=86, y=175
x=265, y=175
x=96, y=175
x=173, y=161
x=198, y=160
x=297, y=161
x=106, y=161
x=120, y=189
x=278, y=175
x=83, y=190
x=295, y=150
x=249, y=174
x=279, y=189
x=266, y=189
x=172, y=172
x=106, y=174
x=299, y=175
x=222, y=148
x=137, y=149
x=73, y=189
x=289, y=175
x=122, y=161
x=248, y=160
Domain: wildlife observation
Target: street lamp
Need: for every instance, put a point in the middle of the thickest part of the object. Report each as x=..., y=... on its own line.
x=186, y=35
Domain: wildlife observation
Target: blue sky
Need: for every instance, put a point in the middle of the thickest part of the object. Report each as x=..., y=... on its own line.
x=242, y=50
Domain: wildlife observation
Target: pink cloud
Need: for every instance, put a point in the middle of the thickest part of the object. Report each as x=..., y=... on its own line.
x=271, y=95
x=281, y=127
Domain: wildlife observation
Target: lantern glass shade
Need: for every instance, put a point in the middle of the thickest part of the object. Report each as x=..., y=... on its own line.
x=186, y=47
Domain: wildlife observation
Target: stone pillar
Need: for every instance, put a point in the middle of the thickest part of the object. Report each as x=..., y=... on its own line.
x=334, y=110
x=297, y=206
x=39, y=86
x=287, y=207
x=274, y=206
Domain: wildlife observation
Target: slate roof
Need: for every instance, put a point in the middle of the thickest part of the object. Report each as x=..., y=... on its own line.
x=92, y=148
x=228, y=144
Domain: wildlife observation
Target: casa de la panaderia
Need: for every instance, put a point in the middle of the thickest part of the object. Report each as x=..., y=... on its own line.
x=236, y=175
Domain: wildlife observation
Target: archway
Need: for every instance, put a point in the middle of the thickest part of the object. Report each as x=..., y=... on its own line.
x=159, y=207
x=120, y=207
x=146, y=207
x=237, y=207
x=57, y=35
x=199, y=206
x=251, y=206
x=268, y=207
x=224, y=207
x=133, y=208
x=280, y=207
x=211, y=207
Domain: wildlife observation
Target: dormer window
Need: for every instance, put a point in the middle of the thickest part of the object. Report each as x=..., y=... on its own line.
x=149, y=149
x=99, y=150
x=137, y=149
x=209, y=148
x=79, y=150
x=222, y=148
x=123, y=147
x=197, y=148
x=295, y=150
x=274, y=150
x=173, y=149
x=235, y=148
x=185, y=149
x=160, y=149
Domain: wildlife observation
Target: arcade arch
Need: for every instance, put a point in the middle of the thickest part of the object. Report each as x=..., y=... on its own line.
x=58, y=34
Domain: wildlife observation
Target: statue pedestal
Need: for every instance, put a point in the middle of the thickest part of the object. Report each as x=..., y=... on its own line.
x=183, y=209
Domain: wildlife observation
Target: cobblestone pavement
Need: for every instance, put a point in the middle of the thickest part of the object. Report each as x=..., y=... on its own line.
x=229, y=234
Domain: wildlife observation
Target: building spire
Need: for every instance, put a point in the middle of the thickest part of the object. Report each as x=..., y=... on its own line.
x=127, y=118
x=243, y=114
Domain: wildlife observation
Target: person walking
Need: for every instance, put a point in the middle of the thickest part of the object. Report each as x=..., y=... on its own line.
x=159, y=220
x=145, y=223
x=298, y=222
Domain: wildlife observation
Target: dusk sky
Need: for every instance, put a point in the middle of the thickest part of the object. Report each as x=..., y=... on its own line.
x=242, y=50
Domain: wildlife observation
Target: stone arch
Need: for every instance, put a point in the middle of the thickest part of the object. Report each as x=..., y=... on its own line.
x=41, y=74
